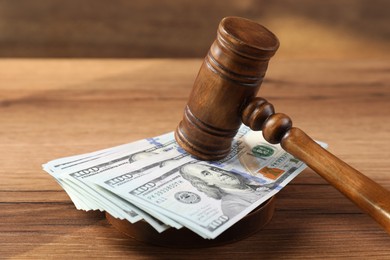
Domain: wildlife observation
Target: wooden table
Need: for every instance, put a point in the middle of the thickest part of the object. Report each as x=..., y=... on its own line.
x=54, y=108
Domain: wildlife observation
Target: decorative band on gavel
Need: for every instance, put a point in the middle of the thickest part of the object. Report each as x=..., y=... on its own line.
x=224, y=96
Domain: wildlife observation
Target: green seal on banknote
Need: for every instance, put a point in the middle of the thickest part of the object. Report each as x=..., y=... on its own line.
x=262, y=151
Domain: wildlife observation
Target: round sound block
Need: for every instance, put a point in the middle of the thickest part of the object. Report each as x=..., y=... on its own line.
x=185, y=238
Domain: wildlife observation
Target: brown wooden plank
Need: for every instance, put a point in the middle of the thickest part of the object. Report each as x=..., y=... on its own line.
x=88, y=234
x=55, y=108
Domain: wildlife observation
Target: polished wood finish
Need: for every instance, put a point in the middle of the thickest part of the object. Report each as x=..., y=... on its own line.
x=256, y=112
x=52, y=108
x=224, y=92
x=231, y=73
x=364, y=192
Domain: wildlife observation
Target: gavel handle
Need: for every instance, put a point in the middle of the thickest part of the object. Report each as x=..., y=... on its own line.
x=364, y=192
x=372, y=198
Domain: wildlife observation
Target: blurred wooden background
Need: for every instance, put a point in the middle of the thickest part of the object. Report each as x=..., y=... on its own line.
x=172, y=28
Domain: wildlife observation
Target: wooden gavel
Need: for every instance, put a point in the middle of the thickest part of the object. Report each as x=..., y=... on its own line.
x=224, y=96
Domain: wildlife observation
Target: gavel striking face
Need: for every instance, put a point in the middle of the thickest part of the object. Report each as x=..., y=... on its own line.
x=224, y=96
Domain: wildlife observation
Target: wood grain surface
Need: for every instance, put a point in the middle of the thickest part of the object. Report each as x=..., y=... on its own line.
x=54, y=108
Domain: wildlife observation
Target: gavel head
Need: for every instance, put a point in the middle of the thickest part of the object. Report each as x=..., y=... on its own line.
x=230, y=77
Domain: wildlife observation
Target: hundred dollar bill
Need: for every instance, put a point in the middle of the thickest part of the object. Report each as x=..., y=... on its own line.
x=93, y=198
x=55, y=167
x=80, y=174
x=69, y=171
x=104, y=199
x=205, y=197
x=138, y=150
x=133, y=172
x=146, y=146
x=120, y=181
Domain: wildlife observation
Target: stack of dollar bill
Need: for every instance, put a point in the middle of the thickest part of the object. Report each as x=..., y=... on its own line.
x=156, y=181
